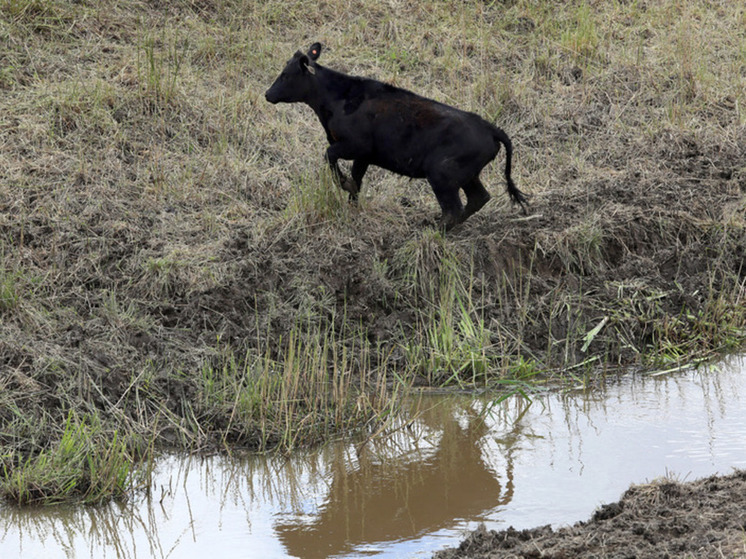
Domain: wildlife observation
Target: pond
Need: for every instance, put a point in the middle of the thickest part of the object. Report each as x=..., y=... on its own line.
x=460, y=462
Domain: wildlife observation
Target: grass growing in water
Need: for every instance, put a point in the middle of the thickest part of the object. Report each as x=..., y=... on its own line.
x=304, y=390
x=86, y=465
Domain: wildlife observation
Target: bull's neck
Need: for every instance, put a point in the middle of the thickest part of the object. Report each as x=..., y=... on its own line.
x=322, y=96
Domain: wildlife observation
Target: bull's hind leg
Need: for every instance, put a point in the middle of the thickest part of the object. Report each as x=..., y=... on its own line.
x=450, y=203
x=476, y=197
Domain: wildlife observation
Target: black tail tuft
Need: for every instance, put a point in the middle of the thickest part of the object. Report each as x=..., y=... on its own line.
x=516, y=195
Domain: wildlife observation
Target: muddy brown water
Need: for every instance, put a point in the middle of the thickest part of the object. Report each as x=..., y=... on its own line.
x=461, y=462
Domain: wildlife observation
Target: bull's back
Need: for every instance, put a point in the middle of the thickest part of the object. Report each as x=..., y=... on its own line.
x=412, y=133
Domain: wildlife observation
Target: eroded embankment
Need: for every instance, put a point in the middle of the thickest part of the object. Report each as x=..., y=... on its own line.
x=703, y=519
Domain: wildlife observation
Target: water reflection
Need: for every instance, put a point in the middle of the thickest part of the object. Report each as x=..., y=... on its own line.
x=406, y=485
x=455, y=464
x=74, y=532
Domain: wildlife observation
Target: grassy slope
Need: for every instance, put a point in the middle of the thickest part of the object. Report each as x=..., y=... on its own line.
x=175, y=261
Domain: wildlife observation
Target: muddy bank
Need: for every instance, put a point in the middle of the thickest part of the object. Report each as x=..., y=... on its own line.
x=664, y=519
x=649, y=261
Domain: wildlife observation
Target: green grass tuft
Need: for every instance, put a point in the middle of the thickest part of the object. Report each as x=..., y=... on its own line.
x=86, y=465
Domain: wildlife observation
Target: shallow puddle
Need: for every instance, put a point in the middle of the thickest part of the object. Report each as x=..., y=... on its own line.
x=461, y=462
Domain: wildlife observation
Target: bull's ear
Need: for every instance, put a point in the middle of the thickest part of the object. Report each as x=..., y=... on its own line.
x=314, y=51
x=305, y=64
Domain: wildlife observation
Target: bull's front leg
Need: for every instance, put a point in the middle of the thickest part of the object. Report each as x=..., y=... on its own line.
x=347, y=184
x=359, y=166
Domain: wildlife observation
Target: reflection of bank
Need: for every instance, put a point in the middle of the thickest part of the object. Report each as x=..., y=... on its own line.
x=389, y=498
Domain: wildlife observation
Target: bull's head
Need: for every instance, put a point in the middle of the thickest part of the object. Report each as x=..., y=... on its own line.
x=294, y=82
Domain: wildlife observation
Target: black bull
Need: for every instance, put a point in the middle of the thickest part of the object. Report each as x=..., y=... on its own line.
x=374, y=123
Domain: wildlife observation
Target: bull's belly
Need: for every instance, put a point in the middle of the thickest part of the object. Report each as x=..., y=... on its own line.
x=406, y=166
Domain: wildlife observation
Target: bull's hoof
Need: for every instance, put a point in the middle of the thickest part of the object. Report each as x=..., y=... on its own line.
x=448, y=221
x=349, y=185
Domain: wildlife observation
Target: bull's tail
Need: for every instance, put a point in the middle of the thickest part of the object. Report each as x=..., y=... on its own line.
x=516, y=195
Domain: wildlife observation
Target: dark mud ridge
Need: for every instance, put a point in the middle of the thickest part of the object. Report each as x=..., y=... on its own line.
x=665, y=519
